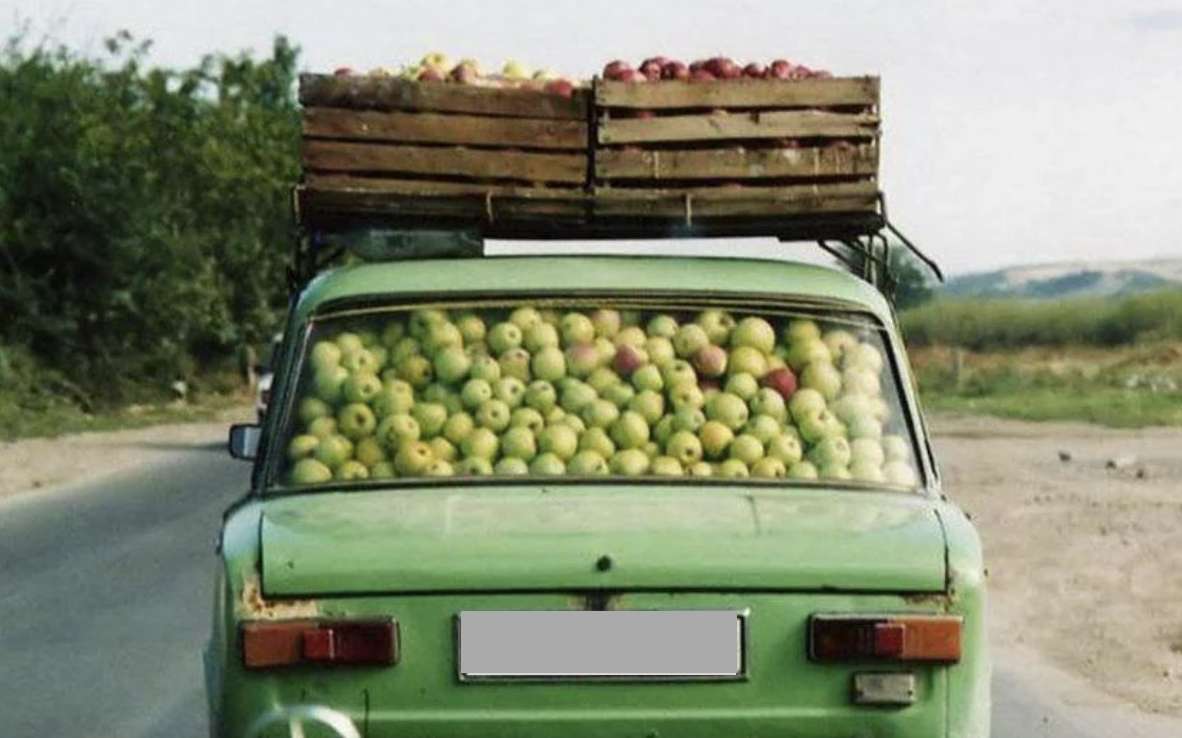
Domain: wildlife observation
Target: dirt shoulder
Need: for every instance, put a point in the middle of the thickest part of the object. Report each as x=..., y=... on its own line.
x=1083, y=558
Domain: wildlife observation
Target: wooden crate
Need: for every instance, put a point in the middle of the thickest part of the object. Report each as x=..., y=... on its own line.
x=736, y=148
x=407, y=149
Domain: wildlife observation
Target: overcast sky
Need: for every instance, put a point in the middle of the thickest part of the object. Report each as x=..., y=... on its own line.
x=1015, y=131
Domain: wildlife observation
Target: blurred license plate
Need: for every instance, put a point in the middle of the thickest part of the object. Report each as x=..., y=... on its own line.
x=577, y=644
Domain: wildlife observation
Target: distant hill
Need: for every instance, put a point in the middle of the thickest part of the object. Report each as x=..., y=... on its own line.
x=1078, y=279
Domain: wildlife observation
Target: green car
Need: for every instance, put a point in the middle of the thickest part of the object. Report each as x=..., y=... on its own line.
x=595, y=496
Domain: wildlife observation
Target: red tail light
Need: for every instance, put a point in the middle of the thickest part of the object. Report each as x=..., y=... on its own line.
x=905, y=638
x=271, y=644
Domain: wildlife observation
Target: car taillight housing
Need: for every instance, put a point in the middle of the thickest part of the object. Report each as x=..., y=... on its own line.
x=901, y=638
x=268, y=645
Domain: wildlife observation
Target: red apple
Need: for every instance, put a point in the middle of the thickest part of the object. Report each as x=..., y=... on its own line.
x=651, y=68
x=707, y=385
x=800, y=72
x=711, y=361
x=343, y=71
x=561, y=87
x=723, y=68
x=465, y=74
x=781, y=380
x=615, y=69
x=431, y=74
x=779, y=69
x=675, y=70
x=702, y=76
x=755, y=70
x=628, y=359
x=631, y=75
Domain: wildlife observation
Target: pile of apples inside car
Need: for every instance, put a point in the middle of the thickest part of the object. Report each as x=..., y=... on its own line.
x=438, y=68
x=590, y=392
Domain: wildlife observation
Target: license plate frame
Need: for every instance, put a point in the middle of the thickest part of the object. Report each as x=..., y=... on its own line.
x=605, y=634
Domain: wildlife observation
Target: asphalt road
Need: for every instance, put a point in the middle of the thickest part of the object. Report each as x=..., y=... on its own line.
x=105, y=606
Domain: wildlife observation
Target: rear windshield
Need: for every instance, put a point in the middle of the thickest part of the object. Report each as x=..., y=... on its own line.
x=577, y=390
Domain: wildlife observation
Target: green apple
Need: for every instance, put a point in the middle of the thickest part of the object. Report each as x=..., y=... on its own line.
x=633, y=336
x=866, y=472
x=754, y=332
x=896, y=448
x=396, y=397
x=360, y=361
x=769, y=468
x=663, y=430
x=900, y=473
x=443, y=449
x=525, y=316
x=606, y=349
x=510, y=391
x=397, y=431
x=850, y=407
x=733, y=469
x=540, y=336
x=516, y=363
x=481, y=443
x=686, y=397
x=700, y=469
x=785, y=448
x=838, y=472
x=356, y=421
x=665, y=466
x=685, y=447
x=763, y=427
x=599, y=414
x=550, y=316
x=803, y=470
x=770, y=403
x=742, y=385
x=351, y=471
x=861, y=381
x=649, y=405
x=527, y=417
x=806, y=403
x=393, y=332
x=718, y=326
x=475, y=393
x=311, y=408
x=555, y=416
x=801, y=330
x=864, y=356
x=679, y=372
x=652, y=449
x=472, y=328
x=689, y=340
x=404, y=349
x=381, y=356
x=619, y=394
x=325, y=355
x=494, y=415
x=630, y=462
x=486, y=368
x=577, y=329
x=328, y=385
x=660, y=351
x=475, y=466
x=607, y=322
x=663, y=326
x=519, y=443
x=302, y=447
x=865, y=427
x=823, y=377
x=511, y=467
x=541, y=396
x=867, y=450
x=383, y=470
x=808, y=351
x=310, y=471
x=597, y=440
x=881, y=409
x=831, y=451
x=452, y=365
x=504, y=337
x=322, y=427
x=549, y=364
x=630, y=431
x=349, y=342
x=746, y=448
x=431, y=418
x=602, y=378
x=747, y=360
x=334, y=451
x=416, y=371
x=648, y=378
x=716, y=438
x=458, y=426
x=361, y=386
x=422, y=320
x=587, y=464
x=577, y=395
x=548, y=465
x=814, y=428
x=839, y=342
x=440, y=468
x=582, y=360
x=559, y=440
x=728, y=409
x=688, y=419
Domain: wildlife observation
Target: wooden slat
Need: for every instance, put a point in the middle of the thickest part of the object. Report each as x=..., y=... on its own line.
x=717, y=202
x=380, y=185
x=464, y=130
x=735, y=163
x=388, y=93
x=360, y=198
x=721, y=127
x=740, y=93
x=444, y=161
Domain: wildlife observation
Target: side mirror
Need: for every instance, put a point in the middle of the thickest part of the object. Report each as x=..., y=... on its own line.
x=244, y=441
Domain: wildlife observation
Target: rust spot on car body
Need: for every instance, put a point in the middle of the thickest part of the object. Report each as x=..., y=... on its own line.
x=253, y=606
x=941, y=600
